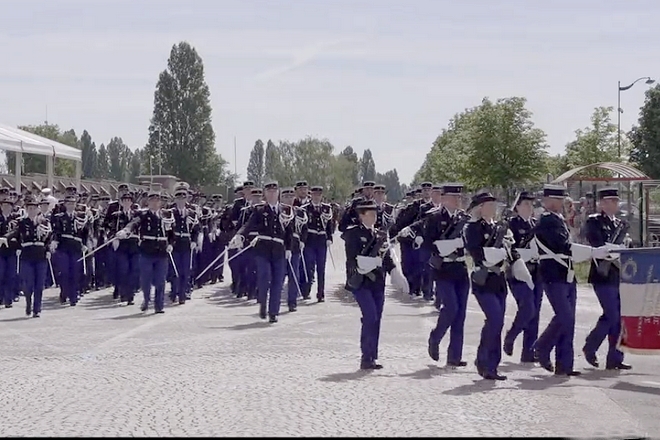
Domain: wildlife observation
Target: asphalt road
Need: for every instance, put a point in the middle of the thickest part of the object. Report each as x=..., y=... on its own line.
x=212, y=368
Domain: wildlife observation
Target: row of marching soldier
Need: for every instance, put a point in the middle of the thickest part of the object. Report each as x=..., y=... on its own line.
x=526, y=256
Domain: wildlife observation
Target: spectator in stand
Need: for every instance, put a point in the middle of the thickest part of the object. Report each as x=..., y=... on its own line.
x=52, y=201
x=570, y=215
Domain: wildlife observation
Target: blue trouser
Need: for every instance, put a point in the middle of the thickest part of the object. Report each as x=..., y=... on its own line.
x=100, y=266
x=33, y=274
x=270, y=279
x=249, y=274
x=454, y=294
x=407, y=262
x=153, y=272
x=608, y=325
x=234, y=266
x=315, y=258
x=182, y=261
x=527, y=317
x=489, y=352
x=128, y=270
x=560, y=331
x=111, y=266
x=70, y=272
x=7, y=277
x=49, y=277
x=218, y=247
x=425, y=272
x=371, y=302
x=293, y=279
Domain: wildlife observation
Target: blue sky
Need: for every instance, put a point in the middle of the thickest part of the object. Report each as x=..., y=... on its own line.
x=379, y=74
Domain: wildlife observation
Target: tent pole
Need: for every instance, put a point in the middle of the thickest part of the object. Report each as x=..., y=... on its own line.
x=50, y=172
x=18, y=166
x=78, y=174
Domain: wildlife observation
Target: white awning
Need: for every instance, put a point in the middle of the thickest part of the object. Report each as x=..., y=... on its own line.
x=20, y=141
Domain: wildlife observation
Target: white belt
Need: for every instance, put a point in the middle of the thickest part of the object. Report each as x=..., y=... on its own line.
x=296, y=235
x=562, y=259
x=454, y=260
x=275, y=239
x=253, y=234
x=33, y=243
x=131, y=236
x=151, y=237
x=182, y=234
x=71, y=237
x=314, y=231
x=556, y=257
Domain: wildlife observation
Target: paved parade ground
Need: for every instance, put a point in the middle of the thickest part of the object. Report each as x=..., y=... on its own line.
x=212, y=368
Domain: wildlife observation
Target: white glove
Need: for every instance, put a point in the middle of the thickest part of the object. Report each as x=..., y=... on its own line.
x=169, y=249
x=447, y=247
x=193, y=245
x=600, y=252
x=53, y=246
x=18, y=252
x=218, y=232
x=254, y=241
x=581, y=252
x=419, y=240
x=614, y=247
x=115, y=244
x=406, y=232
x=399, y=281
x=48, y=255
x=367, y=264
x=521, y=273
x=200, y=242
x=3, y=241
x=527, y=254
x=494, y=256
x=328, y=243
x=302, y=246
x=287, y=254
x=122, y=234
x=211, y=237
x=236, y=242
x=84, y=249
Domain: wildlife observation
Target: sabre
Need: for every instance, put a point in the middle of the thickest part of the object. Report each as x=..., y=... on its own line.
x=107, y=243
x=304, y=265
x=332, y=259
x=239, y=253
x=293, y=272
x=18, y=262
x=52, y=272
x=176, y=272
x=84, y=261
x=191, y=258
x=222, y=254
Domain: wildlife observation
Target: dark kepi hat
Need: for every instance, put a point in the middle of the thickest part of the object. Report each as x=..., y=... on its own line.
x=523, y=195
x=452, y=188
x=216, y=197
x=418, y=191
x=368, y=184
x=301, y=183
x=31, y=201
x=287, y=191
x=608, y=193
x=410, y=193
x=95, y=197
x=426, y=185
x=554, y=191
x=379, y=188
x=70, y=199
x=153, y=195
x=238, y=189
x=436, y=188
x=122, y=186
x=127, y=196
x=481, y=198
x=316, y=189
x=71, y=188
x=366, y=205
x=248, y=183
x=256, y=192
x=44, y=201
x=271, y=185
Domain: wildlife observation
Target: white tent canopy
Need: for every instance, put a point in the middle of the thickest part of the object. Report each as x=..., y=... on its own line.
x=20, y=141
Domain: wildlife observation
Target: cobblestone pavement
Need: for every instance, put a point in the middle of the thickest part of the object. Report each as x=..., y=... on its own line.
x=211, y=368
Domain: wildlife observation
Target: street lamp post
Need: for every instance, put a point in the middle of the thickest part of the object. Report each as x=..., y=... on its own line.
x=620, y=110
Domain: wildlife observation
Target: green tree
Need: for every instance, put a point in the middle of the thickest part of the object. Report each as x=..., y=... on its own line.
x=119, y=156
x=557, y=165
x=391, y=181
x=367, y=167
x=37, y=164
x=102, y=163
x=136, y=165
x=88, y=156
x=594, y=144
x=181, y=133
x=339, y=185
x=255, y=168
x=272, y=161
x=354, y=170
x=645, y=137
